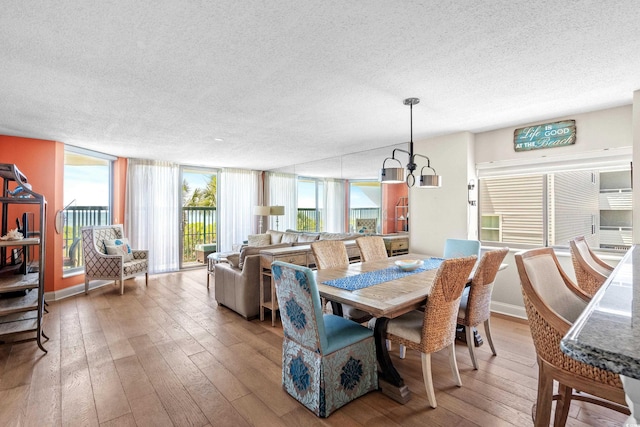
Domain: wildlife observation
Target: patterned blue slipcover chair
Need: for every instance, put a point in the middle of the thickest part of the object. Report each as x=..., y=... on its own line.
x=327, y=360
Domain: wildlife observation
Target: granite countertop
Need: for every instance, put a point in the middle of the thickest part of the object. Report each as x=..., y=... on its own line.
x=604, y=335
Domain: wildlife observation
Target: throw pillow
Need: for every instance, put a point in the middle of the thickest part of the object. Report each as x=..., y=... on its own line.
x=119, y=247
x=333, y=236
x=234, y=260
x=289, y=237
x=276, y=236
x=259, y=239
x=308, y=237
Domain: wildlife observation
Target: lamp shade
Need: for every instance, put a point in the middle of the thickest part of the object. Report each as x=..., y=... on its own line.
x=276, y=210
x=430, y=181
x=391, y=175
x=261, y=210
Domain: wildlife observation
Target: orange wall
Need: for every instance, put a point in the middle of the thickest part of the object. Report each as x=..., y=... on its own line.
x=42, y=162
x=36, y=160
x=391, y=194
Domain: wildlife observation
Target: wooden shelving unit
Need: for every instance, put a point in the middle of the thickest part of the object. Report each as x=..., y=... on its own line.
x=402, y=215
x=22, y=278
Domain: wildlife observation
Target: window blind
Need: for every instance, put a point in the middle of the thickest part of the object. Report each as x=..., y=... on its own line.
x=519, y=203
x=573, y=207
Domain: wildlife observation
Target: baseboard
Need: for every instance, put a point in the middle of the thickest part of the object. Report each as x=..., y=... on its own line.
x=75, y=290
x=508, y=309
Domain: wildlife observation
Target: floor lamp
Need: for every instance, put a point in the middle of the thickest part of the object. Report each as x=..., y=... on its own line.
x=261, y=211
x=276, y=211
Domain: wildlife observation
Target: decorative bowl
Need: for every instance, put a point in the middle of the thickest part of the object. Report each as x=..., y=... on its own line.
x=409, y=264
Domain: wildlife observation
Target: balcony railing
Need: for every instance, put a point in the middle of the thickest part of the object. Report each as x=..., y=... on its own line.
x=311, y=219
x=76, y=217
x=198, y=227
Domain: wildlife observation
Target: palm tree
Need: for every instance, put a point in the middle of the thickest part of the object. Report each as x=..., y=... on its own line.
x=209, y=194
x=204, y=197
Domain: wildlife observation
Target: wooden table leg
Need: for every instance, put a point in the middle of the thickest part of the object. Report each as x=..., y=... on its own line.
x=273, y=302
x=391, y=383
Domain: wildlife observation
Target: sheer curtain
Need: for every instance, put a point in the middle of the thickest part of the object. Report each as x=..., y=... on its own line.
x=238, y=190
x=281, y=191
x=152, y=212
x=334, y=209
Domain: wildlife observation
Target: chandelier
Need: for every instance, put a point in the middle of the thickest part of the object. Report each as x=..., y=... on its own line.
x=396, y=175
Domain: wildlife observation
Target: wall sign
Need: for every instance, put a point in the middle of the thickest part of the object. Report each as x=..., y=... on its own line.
x=548, y=135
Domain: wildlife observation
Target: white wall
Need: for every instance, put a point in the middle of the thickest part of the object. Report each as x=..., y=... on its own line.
x=595, y=131
x=445, y=213
x=636, y=160
x=439, y=213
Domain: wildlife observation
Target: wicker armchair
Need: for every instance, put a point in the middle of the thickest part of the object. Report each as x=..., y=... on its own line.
x=591, y=271
x=553, y=303
x=434, y=328
x=327, y=360
x=99, y=265
x=371, y=248
x=333, y=254
x=476, y=299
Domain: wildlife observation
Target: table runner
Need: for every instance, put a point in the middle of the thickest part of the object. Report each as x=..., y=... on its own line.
x=364, y=280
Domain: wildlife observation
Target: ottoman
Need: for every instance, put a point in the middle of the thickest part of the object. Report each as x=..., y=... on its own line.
x=203, y=250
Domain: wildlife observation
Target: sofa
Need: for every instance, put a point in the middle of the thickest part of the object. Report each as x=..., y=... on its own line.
x=237, y=282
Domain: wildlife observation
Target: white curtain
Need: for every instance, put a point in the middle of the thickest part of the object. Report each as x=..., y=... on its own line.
x=152, y=210
x=334, y=209
x=281, y=191
x=238, y=190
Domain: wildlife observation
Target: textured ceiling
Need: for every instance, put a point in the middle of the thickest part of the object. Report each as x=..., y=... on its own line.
x=265, y=85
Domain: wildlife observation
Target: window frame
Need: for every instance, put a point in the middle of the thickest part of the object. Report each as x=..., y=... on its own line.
x=79, y=269
x=607, y=161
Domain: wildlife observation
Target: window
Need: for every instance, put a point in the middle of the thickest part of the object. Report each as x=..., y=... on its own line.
x=310, y=204
x=321, y=205
x=199, y=214
x=364, y=203
x=87, y=199
x=549, y=209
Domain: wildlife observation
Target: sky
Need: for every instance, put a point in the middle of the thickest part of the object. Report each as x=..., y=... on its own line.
x=359, y=199
x=88, y=185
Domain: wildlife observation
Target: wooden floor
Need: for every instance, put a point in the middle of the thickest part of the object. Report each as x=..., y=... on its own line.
x=168, y=355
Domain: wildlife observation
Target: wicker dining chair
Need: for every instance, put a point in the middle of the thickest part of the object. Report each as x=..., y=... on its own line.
x=333, y=254
x=553, y=303
x=454, y=248
x=434, y=328
x=371, y=248
x=591, y=271
x=475, y=305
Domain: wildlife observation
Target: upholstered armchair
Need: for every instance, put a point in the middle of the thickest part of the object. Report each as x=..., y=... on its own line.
x=366, y=225
x=100, y=265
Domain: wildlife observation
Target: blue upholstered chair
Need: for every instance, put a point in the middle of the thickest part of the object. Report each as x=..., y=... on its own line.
x=327, y=360
x=459, y=248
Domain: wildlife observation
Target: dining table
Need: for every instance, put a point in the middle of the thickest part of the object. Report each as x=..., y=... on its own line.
x=385, y=300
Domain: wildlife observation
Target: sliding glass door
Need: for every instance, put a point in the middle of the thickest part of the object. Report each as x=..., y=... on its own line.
x=87, y=200
x=199, y=219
